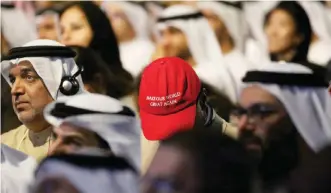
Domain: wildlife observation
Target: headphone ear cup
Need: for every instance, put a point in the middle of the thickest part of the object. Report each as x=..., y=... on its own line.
x=75, y=86
x=69, y=86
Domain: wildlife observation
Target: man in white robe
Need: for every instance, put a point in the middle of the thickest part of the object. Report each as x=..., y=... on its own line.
x=131, y=25
x=48, y=25
x=16, y=28
x=38, y=73
x=97, y=121
x=284, y=120
x=228, y=25
x=85, y=172
x=183, y=31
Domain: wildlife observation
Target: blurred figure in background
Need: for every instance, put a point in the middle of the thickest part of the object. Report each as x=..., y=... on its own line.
x=85, y=172
x=16, y=28
x=85, y=24
x=226, y=21
x=97, y=121
x=4, y=45
x=289, y=35
x=321, y=26
x=284, y=120
x=292, y=20
x=16, y=170
x=44, y=4
x=313, y=176
x=182, y=31
x=198, y=161
x=48, y=24
x=97, y=77
x=328, y=8
x=132, y=27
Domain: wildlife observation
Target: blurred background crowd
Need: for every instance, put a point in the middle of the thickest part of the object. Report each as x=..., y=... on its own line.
x=116, y=40
x=114, y=56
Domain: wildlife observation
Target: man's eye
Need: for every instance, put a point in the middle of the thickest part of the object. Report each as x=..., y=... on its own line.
x=11, y=80
x=29, y=78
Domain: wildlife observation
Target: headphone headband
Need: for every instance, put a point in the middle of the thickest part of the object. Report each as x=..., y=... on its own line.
x=40, y=51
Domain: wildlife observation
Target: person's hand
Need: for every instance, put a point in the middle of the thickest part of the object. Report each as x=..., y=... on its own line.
x=227, y=128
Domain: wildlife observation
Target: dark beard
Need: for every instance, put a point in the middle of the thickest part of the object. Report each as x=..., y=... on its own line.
x=279, y=159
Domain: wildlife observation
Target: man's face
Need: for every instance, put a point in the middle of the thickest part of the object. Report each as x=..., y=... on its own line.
x=48, y=28
x=119, y=21
x=29, y=94
x=262, y=120
x=70, y=138
x=174, y=43
x=215, y=22
x=171, y=170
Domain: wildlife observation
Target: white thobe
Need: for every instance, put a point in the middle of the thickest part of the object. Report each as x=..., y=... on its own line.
x=135, y=55
x=16, y=170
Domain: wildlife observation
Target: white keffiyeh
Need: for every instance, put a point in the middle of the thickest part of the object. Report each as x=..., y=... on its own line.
x=50, y=69
x=308, y=107
x=120, y=131
x=204, y=47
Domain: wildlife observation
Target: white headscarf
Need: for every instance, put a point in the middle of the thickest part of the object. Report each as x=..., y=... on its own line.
x=308, y=107
x=120, y=131
x=50, y=69
x=317, y=14
x=16, y=27
x=230, y=16
x=137, y=16
x=102, y=179
x=201, y=39
x=204, y=47
x=16, y=170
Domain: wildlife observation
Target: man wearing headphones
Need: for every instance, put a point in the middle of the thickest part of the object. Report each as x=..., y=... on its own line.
x=39, y=72
x=171, y=99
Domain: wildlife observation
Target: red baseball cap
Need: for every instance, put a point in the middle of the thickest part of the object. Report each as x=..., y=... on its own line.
x=168, y=94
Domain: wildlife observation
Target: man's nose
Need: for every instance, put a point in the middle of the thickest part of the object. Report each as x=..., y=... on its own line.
x=17, y=88
x=245, y=124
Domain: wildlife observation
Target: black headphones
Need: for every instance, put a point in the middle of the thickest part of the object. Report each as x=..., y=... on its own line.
x=69, y=84
x=206, y=110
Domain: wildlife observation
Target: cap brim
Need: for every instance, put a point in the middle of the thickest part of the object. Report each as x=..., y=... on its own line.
x=158, y=127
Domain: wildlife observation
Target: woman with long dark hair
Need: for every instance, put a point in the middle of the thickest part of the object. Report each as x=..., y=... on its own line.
x=289, y=34
x=85, y=24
